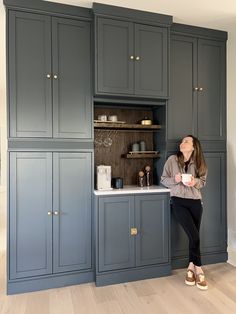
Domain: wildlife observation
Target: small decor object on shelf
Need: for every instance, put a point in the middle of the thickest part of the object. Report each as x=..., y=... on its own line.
x=142, y=145
x=135, y=147
x=147, y=170
x=146, y=121
x=141, y=179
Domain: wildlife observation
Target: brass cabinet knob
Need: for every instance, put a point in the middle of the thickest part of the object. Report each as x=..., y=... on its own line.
x=56, y=212
x=55, y=76
x=133, y=231
x=48, y=76
x=200, y=89
x=137, y=58
x=132, y=57
x=49, y=213
x=196, y=88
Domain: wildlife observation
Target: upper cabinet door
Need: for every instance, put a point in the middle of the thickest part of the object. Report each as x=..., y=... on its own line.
x=183, y=80
x=211, y=99
x=72, y=98
x=115, y=57
x=150, y=61
x=29, y=54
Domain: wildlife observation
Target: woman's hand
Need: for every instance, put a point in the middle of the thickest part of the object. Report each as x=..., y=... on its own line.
x=178, y=177
x=191, y=183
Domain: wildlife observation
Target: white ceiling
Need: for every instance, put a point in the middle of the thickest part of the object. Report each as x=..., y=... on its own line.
x=218, y=14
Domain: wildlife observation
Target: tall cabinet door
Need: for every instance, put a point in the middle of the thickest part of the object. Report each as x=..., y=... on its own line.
x=29, y=54
x=211, y=99
x=72, y=186
x=72, y=95
x=150, y=60
x=114, y=69
x=116, y=245
x=213, y=226
x=30, y=219
x=152, y=221
x=183, y=79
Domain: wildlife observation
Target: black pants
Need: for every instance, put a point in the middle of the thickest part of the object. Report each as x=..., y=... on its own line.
x=188, y=212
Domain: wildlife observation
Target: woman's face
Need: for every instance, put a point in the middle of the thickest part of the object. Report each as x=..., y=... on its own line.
x=186, y=146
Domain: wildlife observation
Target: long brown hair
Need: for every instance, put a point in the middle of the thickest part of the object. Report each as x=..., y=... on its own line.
x=197, y=157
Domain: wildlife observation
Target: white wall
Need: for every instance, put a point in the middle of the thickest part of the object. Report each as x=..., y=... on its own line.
x=3, y=142
x=231, y=142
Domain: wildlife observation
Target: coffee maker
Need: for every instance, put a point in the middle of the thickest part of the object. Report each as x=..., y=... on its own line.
x=104, y=177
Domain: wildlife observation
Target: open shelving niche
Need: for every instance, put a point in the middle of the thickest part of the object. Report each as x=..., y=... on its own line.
x=113, y=141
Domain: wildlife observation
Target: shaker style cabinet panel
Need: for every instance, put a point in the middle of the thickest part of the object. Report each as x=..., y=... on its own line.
x=30, y=227
x=183, y=76
x=150, y=60
x=132, y=231
x=50, y=222
x=49, y=76
x=114, y=49
x=197, y=83
x=211, y=113
x=29, y=58
x=152, y=222
x=72, y=102
x=214, y=219
x=72, y=188
x=131, y=59
x=115, y=220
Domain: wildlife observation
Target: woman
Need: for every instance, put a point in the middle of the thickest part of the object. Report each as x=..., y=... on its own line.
x=186, y=200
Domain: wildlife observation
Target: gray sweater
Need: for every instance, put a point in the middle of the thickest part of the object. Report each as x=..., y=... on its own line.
x=172, y=168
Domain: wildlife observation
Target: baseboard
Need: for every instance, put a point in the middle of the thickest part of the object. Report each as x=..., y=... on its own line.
x=207, y=258
x=232, y=256
x=48, y=282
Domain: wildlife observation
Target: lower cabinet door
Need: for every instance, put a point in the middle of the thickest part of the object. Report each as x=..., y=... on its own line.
x=115, y=220
x=30, y=226
x=152, y=221
x=72, y=198
x=213, y=226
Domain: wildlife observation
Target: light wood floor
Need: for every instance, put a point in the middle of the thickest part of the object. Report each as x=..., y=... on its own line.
x=154, y=296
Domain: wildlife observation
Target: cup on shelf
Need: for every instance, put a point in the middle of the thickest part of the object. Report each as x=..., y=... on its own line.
x=142, y=145
x=135, y=147
x=102, y=117
x=112, y=118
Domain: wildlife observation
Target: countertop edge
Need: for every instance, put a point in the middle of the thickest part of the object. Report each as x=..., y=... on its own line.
x=133, y=190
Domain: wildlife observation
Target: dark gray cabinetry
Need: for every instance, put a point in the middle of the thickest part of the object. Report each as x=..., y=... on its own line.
x=214, y=225
x=49, y=76
x=30, y=227
x=132, y=237
x=49, y=222
x=151, y=219
x=131, y=59
x=115, y=220
x=197, y=86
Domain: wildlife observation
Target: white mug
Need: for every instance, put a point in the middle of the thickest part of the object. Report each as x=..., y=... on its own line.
x=186, y=177
x=102, y=117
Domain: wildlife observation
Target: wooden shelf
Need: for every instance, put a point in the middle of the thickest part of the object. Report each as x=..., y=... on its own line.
x=142, y=155
x=125, y=126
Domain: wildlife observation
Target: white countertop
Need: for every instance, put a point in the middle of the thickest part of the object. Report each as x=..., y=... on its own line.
x=132, y=189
